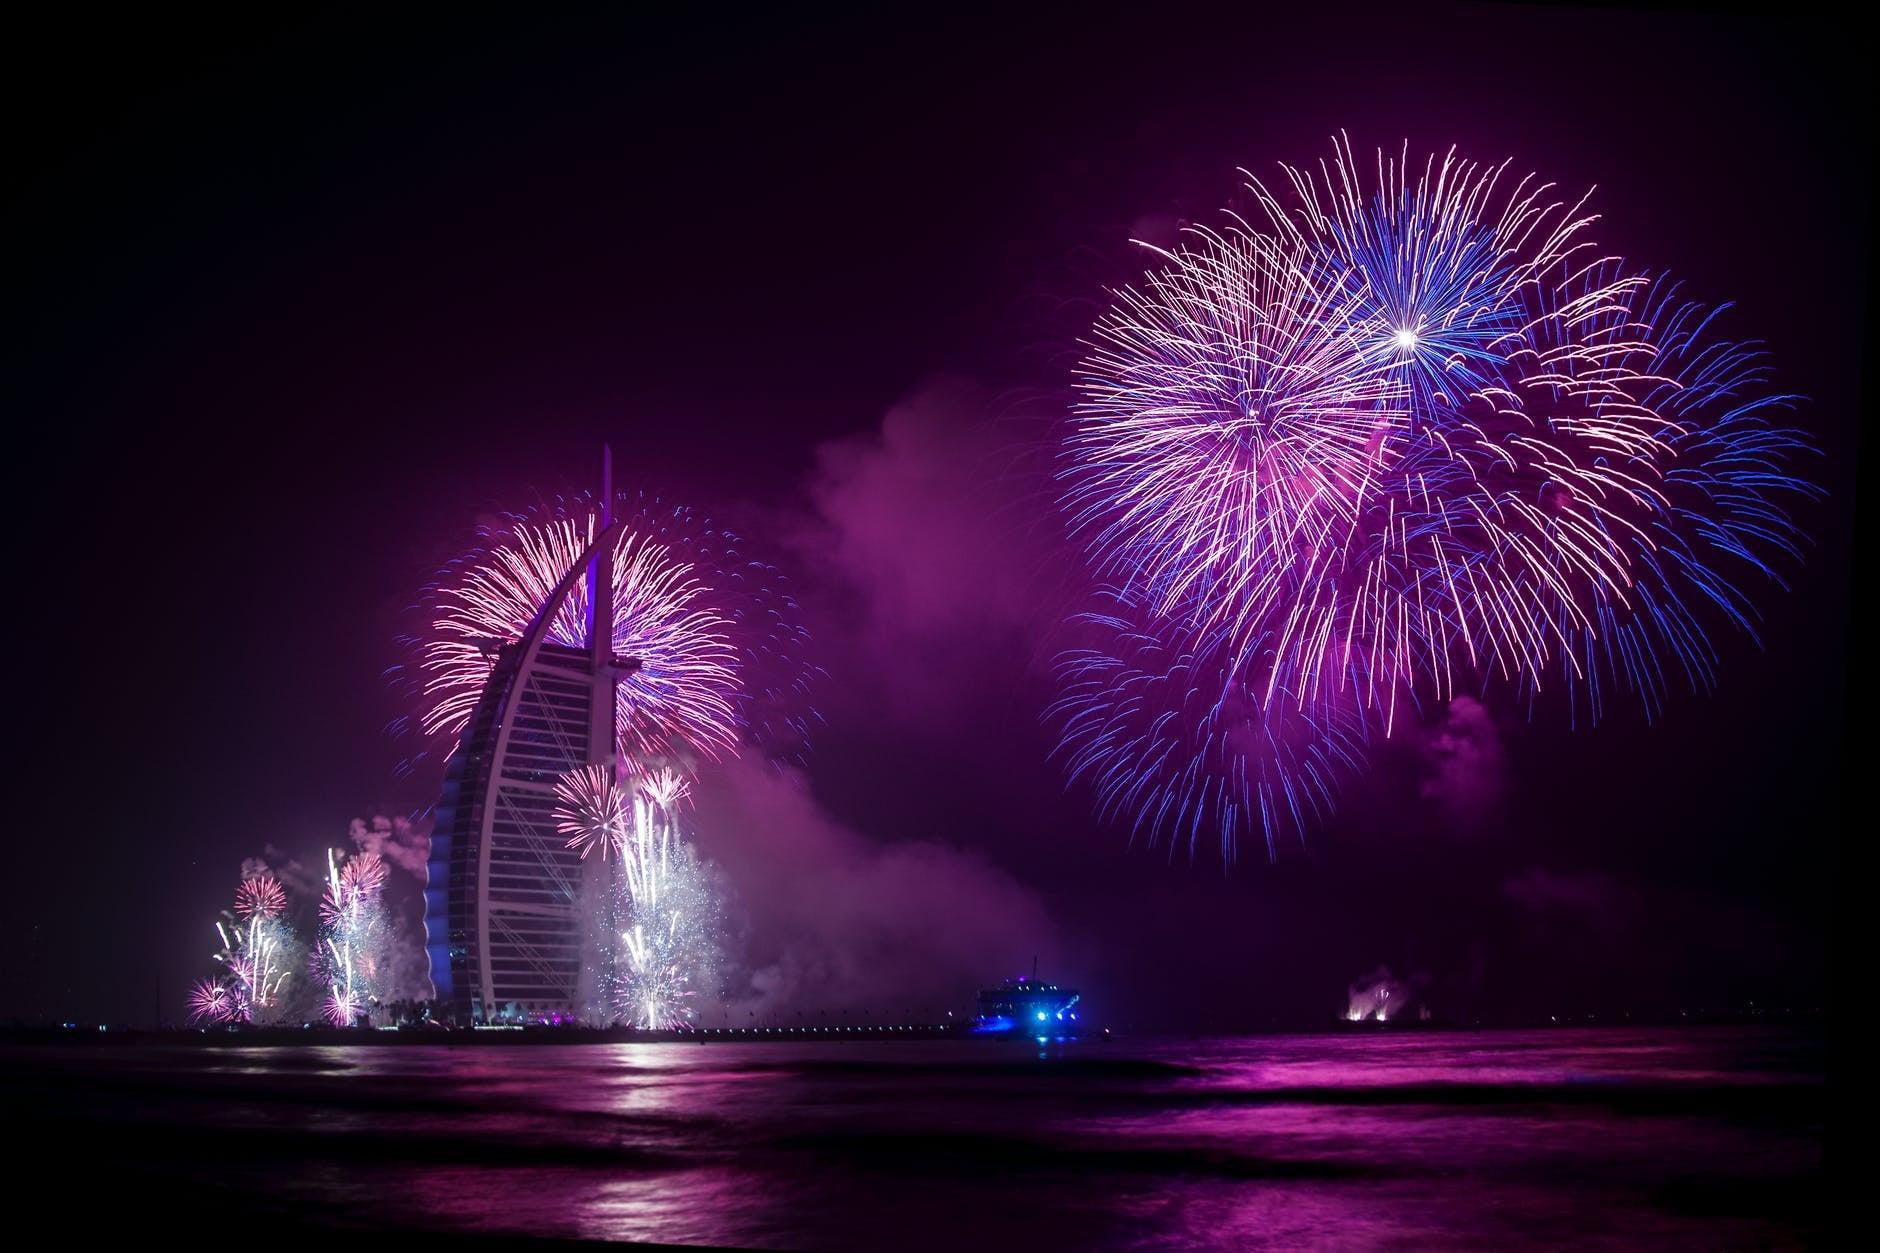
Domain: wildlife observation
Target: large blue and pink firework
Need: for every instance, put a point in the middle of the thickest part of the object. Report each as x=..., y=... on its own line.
x=1393, y=435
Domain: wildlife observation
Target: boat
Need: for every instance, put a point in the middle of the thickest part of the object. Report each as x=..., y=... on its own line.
x=1028, y=1007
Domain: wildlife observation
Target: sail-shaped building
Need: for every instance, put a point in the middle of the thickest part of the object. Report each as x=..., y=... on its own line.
x=503, y=893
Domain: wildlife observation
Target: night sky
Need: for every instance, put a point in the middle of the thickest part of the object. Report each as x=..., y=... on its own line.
x=297, y=302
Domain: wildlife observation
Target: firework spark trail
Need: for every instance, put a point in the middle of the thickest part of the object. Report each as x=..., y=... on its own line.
x=353, y=935
x=1221, y=432
x=257, y=948
x=671, y=939
x=665, y=788
x=361, y=877
x=345, y=1001
x=255, y=958
x=663, y=915
x=1176, y=746
x=1720, y=510
x=762, y=621
x=1396, y=435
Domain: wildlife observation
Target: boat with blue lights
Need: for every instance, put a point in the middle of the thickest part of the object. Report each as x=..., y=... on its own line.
x=1028, y=1007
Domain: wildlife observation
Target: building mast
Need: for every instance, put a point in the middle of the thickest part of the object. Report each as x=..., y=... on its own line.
x=603, y=733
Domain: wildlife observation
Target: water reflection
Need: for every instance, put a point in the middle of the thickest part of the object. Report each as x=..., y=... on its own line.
x=1703, y=1137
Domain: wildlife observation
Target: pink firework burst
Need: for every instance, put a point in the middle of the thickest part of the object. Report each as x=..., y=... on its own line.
x=664, y=787
x=363, y=875
x=260, y=896
x=591, y=810
x=211, y=1001
x=343, y=1006
x=351, y=884
x=680, y=701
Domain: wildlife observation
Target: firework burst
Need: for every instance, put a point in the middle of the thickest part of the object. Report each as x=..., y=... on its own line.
x=1177, y=744
x=1392, y=436
x=260, y=896
x=724, y=656
x=592, y=810
x=677, y=704
x=763, y=624
x=345, y=1001
x=211, y=1001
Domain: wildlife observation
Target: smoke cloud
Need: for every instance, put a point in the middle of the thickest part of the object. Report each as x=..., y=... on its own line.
x=931, y=542
x=1572, y=905
x=824, y=920
x=397, y=840
x=300, y=879
x=404, y=972
x=1465, y=769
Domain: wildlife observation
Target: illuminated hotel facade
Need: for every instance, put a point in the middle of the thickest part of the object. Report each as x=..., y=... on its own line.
x=502, y=902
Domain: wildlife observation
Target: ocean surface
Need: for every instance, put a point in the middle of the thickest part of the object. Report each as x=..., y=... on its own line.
x=1707, y=1138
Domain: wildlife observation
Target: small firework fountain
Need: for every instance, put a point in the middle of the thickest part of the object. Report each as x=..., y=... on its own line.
x=658, y=913
x=259, y=953
x=267, y=974
x=353, y=931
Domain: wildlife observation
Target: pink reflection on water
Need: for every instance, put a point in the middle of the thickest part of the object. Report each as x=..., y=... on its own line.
x=1493, y=1140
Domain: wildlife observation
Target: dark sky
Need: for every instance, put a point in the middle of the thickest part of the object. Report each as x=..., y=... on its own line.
x=295, y=301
